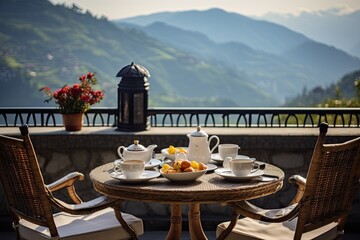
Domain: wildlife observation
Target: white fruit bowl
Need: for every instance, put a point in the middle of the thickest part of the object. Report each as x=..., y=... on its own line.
x=183, y=176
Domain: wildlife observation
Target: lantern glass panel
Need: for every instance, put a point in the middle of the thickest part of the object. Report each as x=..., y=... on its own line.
x=138, y=108
x=125, y=110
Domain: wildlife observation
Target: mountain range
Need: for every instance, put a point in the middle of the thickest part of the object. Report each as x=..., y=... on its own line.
x=278, y=60
x=221, y=27
x=46, y=44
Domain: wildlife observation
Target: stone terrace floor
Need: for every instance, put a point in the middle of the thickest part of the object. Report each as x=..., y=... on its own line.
x=155, y=235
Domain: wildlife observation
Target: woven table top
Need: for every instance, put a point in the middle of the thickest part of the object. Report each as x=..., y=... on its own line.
x=209, y=188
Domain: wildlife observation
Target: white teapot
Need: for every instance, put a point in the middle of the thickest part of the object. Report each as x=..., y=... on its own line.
x=199, y=146
x=136, y=151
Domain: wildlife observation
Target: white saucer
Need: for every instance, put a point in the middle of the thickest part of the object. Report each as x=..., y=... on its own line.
x=216, y=157
x=226, y=173
x=146, y=176
x=152, y=163
x=211, y=167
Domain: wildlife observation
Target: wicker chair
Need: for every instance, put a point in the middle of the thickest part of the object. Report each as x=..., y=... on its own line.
x=320, y=206
x=32, y=202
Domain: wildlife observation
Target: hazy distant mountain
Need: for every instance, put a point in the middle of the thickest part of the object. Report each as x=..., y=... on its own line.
x=190, y=41
x=221, y=26
x=355, y=50
x=332, y=27
x=329, y=60
x=273, y=73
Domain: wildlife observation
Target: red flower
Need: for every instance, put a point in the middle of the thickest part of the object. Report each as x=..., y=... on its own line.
x=76, y=90
x=82, y=78
x=89, y=75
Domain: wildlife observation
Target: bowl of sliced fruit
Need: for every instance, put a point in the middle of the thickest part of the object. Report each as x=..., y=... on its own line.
x=171, y=150
x=183, y=170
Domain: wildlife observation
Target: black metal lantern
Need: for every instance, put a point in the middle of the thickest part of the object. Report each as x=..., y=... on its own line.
x=133, y=98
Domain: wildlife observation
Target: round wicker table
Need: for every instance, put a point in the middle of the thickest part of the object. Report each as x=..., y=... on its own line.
x=210, y=188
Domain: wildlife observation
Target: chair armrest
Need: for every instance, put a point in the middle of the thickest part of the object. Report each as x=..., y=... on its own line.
x=273, y=215
x=300, y=182
x=247, y=209
x=88, y=207
x=297, y=179
x=65, y=181
x=68, y=182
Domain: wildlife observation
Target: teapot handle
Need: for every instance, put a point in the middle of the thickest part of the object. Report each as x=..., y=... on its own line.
x=119, y=152
x=217, y=142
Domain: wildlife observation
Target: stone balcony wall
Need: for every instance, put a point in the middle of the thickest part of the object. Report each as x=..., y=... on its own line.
x=60, y=152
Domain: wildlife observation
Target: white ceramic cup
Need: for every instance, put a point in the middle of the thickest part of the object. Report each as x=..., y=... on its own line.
x=228, y=150
x=132, y=169
x=243, y=167
x=226, y=162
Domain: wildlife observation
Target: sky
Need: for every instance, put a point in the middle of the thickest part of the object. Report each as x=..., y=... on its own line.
x=116, y=9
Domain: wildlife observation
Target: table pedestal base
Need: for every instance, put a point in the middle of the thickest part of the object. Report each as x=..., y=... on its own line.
x=195, y=228
x=175, y=222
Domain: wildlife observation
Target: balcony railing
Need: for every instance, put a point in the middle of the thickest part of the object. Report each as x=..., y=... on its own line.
x=189, y=117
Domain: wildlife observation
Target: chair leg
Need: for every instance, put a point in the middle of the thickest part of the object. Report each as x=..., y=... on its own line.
x=15, y=226
x=18, y=237
x=124, y=223
x=227, y=231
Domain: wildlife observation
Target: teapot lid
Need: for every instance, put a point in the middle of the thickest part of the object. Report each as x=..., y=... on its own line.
x=199, y=133
x=136, y=146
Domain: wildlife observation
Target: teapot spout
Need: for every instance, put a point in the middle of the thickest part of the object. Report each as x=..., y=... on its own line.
x=151, y=147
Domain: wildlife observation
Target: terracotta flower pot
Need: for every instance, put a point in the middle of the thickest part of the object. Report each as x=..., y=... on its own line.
x=73, y=122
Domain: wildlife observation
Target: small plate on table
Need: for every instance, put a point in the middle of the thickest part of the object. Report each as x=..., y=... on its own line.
x=146, y=176
x=166, y=153
x=211, y=167
x=227, y=174
x=183, y=176
x=152, y=163
x=216, y=157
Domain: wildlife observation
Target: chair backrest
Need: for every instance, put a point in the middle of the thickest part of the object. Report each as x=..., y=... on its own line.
x=331, y=185
x=22, y=181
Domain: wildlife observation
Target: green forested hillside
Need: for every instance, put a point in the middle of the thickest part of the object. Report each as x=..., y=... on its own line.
x=42, y=44
x=343, y=89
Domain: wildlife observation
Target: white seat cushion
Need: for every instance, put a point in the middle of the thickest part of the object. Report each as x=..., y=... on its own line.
x=250, y=229
x=100, y=225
